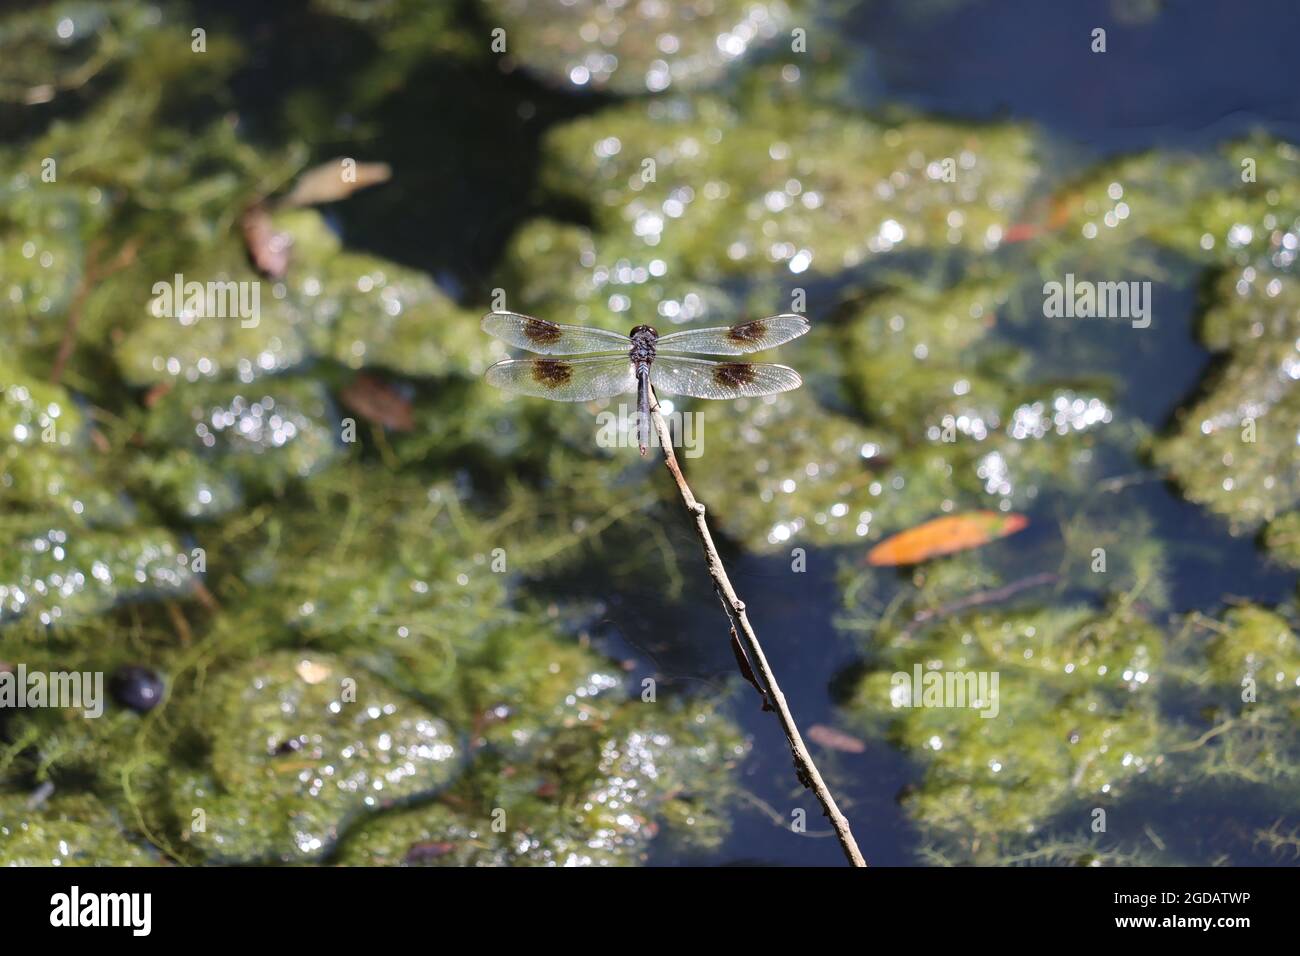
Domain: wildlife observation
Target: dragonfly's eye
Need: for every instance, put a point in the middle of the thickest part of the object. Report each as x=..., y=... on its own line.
x=645, y=330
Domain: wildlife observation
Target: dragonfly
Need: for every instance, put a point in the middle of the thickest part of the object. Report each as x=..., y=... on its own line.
x=611, y=363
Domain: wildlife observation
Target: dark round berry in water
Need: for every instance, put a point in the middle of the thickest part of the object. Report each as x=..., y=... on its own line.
x=137, y=688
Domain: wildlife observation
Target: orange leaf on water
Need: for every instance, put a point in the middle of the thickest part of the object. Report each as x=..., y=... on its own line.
x=944, y=536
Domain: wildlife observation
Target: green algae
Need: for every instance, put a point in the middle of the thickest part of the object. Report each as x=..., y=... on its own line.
x=187, y=484
x=408, y=30
x=1224, y=207
x=1075, y=685
x=60, y=46
x=782, y=189
x=1234, y=450
x=301, y=744
x=1124, y=703
x=60, y=572
x=353, y=309
x=1282, y=537
x=41, y=256
x=266, y=435
x=554, y=269
x=1103, y=695
x=908, y=349
x=43, y=468
x=1089, y=690
x=74, y=546
x=588, y=795
x=65, y=831
x=946, y=440
x=1248, y=681
x=1256, y=644
x=398, y=599
x=651, y=48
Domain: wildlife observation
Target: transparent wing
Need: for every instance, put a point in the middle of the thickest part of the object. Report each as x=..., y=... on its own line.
x=564, y=380
x=550, y=338
x=701, y=378
x=739, y=339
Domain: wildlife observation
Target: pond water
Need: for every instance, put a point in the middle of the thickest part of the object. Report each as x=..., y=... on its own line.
x=499, y=588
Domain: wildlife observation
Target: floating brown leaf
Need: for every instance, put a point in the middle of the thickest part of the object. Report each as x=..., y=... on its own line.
x=944, y=536
x=377, y=401
x=834, y=739
x=423, y=852
x=267, y=248
x=335, y=180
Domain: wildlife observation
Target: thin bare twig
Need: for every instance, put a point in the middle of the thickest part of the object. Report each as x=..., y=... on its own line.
x=979, y=599
x=753, y=650
x=179, y=622
x=95, y=271
x=774, y=815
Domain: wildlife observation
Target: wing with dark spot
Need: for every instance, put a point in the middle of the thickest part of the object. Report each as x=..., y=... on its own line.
x=701, y=378
x=564, y=380
x=551, y=338
x=739, y=339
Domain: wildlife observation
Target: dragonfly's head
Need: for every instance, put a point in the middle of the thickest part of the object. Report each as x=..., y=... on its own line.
x=645, y=332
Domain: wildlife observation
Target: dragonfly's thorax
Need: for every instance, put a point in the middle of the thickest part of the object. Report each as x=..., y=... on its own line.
x=643, y=345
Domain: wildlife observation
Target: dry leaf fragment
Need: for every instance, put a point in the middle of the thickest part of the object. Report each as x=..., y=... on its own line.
x=312, y=672
x=377, y=401
x=335, y=180
x=424, y=852
x=944, y=536
x=268, y=249
x=834, y=739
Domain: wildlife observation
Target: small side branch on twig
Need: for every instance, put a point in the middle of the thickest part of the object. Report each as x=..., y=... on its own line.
x=95, y=271
x=750, y=654
x=978, y=599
